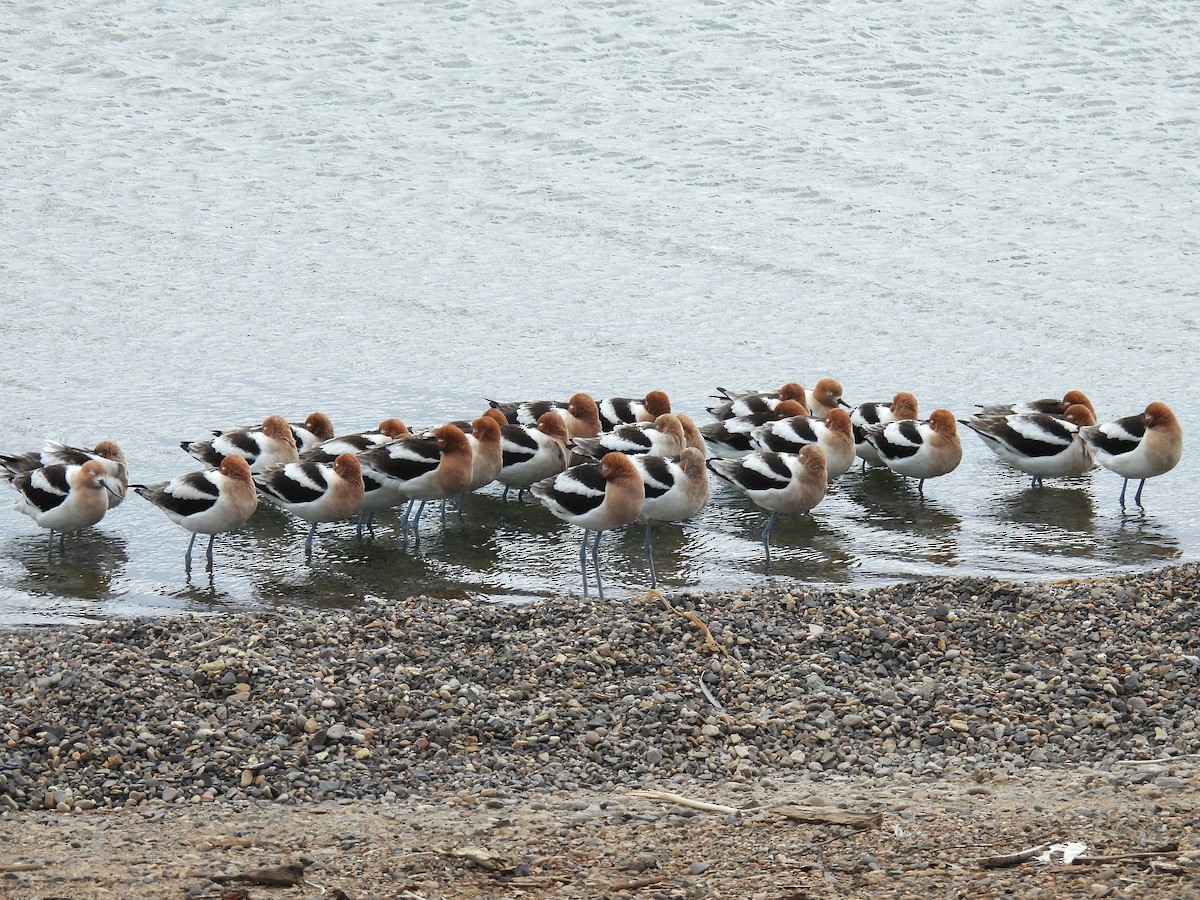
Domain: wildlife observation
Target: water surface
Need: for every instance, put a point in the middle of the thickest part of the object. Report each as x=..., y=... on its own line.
x=400, y=209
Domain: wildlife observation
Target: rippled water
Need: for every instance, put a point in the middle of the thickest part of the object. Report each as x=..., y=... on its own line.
x=376, y=209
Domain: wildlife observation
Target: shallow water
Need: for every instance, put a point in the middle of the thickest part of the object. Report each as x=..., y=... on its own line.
x=402, y=209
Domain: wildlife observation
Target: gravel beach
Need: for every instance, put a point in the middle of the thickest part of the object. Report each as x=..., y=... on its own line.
x=804, y=742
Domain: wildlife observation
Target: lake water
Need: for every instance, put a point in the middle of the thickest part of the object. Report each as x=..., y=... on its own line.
x=379, y=209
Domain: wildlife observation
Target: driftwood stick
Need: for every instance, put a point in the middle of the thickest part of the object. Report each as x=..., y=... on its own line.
x=226, y=638
x=1011, y=859
x=639, y=883
x=821, y=816
x=1161, y=759
x=817, y=815
x=680, y=800
x=21, y=867
x=1165, y=850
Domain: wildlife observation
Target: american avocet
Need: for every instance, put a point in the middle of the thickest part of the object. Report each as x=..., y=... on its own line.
x=833, y=433
x=825, y=397
x=580, y=413
x=1039, y=444
x=532, y=454
x=676, y=488
x=778, y=482
x=867, y=415
x=108, y=452
x=316, y=430
x=662, y=437
x=596, y=496
x=526, y=412
x=919, y=449
x=1048, y=406
x=487, y=456
x=616, y=411
x=388, y=430
x=263, y=446
x=315, y=491
x=375, y=498
x=422, y=468
x=63, y=498
x=691, y=434
x=738, y=404
x=1138, y=447
x=211, y=502
x=731, y=437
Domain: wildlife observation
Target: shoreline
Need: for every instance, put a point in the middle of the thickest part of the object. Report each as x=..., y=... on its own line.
x=828, y=695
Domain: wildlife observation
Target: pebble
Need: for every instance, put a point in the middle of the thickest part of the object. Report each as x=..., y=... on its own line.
x=418, y=698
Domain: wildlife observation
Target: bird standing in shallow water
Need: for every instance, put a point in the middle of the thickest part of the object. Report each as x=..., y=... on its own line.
x=676, y=488
x=421, y=469
x=902, y=406
x=1039, y=444
x=108, y=452
x=64, y=498
x=734, y=436
x=777, y=482
x=1048, y=406
x=596, y=496
x=315, y=491
x=262, y=446
x=739, y=404
x=532, y=453
x=616, y=411
x=919, y=449
x=662, y=437
x=211, y=502
x=1138, y=447
x=833, y=433
x=580, y=414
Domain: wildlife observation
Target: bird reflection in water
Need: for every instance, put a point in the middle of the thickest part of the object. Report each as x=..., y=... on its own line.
x=91, y=568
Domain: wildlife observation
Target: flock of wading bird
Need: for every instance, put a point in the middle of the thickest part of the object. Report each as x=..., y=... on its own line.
x=596, y=464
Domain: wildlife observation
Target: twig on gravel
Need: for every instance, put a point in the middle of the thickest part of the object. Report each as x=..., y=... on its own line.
x=1150, y=762
x=639, y=883
x=710, y=642
x=791, y=811
x=1165, y=850
x=287, y=875
x=21, y=867
x=680, y=800
x=226, y=638
x=1012, y=859
x=821, y=816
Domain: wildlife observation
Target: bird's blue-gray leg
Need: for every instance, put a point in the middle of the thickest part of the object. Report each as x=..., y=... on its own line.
x=504, y=496
x=1124, y=484
x=416, y=522
x=596, y=563
x=404, y=521
x=583, y=561
x=1137, y=498
x=462, y=504
x=211, y=538
x=650, y=557
x=187, y=557
x=309, y=540
x=766, y=537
